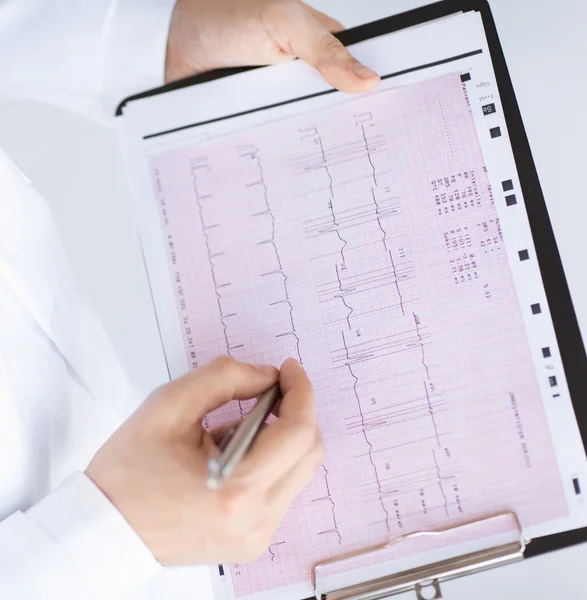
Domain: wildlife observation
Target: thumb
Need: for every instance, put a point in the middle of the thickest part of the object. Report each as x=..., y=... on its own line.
x=308, y=39
x=215, y=384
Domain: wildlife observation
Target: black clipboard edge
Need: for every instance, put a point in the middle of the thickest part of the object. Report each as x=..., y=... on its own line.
x=564, y=319
x=562, y=311
x=302, y=98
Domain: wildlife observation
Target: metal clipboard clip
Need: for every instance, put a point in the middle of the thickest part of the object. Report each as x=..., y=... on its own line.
x=426, y=576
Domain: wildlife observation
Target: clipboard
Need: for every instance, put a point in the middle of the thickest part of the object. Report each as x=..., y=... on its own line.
x=430, y=575
x=565, y=323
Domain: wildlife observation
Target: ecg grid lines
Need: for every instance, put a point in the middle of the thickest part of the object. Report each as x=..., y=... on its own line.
x=364, y=241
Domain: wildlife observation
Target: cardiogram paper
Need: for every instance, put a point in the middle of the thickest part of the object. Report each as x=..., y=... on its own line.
x=364, y=241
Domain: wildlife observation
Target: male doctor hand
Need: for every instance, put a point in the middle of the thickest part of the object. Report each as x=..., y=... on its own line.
x=207, y=34
x=142, y=502
x=154, y=469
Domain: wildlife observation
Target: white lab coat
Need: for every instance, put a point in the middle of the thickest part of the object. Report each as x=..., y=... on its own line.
x=62, y=390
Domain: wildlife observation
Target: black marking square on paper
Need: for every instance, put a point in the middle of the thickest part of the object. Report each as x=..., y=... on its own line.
x=489, y=109
x=221, y=570
x=508, y=185
x=536, y=310
x=495, y=132
x=546, y=352
x=576, y=486
x=510, y=200
x=466, y=77
x=552, y=380
x=524, y=255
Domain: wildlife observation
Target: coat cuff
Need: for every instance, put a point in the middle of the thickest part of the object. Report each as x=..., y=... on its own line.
x=94, y=537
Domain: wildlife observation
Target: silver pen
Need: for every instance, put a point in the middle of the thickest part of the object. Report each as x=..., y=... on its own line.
x=239, y=439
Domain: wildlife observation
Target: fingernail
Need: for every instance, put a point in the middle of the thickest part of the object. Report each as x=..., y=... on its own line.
x=266, y=369
x=362, y=71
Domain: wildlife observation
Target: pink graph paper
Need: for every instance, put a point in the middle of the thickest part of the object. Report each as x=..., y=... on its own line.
x=364, y=241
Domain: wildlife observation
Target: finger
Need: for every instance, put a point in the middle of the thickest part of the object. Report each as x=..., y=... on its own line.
x=216, y=383
x=293, y=371
x=327, y=22
x=299, y=32
x=287, y=441
x=277, y=450
x=297, y=403
x=285, y=491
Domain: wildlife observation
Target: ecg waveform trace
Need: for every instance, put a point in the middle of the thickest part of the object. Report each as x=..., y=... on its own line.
x=363, y=240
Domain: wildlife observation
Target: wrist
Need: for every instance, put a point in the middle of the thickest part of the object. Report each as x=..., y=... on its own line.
x=182, y=36
x=172, y=54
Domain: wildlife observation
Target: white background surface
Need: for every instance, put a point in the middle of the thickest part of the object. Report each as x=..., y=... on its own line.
x=76, y=165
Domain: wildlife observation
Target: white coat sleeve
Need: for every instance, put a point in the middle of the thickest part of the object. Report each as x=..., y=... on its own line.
x=82, y=55
x=73, y=545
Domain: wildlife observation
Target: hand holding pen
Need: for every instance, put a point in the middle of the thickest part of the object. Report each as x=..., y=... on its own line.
x=155, y=469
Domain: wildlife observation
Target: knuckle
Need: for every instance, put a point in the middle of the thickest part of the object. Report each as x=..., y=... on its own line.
x=330, y=49
x=234, y=504
x=254, y=544
x=332, y=44
x=226, y=369
x=224, y=364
